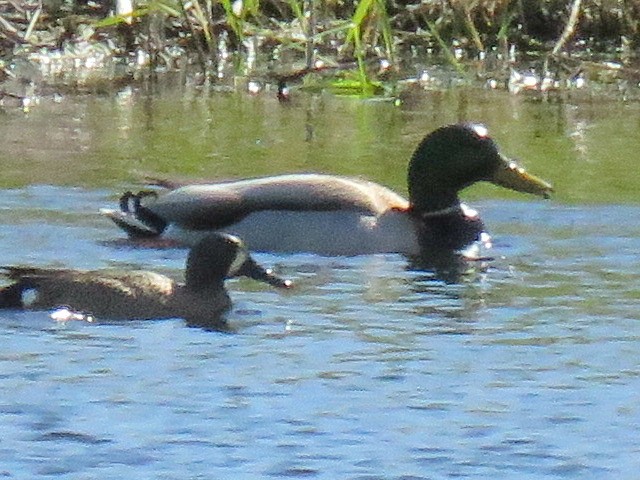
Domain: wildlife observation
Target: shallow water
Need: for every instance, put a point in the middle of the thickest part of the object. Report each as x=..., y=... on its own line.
x=367, y=369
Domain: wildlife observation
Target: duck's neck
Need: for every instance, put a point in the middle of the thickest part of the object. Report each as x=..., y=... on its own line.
x=443, y=212
x=196, y=284
x=450, y=228
x=434, y=203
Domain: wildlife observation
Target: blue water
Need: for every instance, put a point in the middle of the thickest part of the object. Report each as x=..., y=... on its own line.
x=366, y=370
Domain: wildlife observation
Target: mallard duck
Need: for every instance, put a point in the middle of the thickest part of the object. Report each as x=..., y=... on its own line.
x=141, y=294
x=335, y=215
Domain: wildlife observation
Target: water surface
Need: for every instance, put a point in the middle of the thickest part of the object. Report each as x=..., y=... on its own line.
x=367, y=369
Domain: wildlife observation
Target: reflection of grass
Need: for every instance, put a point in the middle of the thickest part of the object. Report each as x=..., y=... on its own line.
x=356, y=87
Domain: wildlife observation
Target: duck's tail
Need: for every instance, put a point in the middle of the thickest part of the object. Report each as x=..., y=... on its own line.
x=135, y=219
x=24, y=279
x=11, y=295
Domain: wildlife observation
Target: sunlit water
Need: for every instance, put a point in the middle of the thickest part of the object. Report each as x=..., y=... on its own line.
x=367, y=369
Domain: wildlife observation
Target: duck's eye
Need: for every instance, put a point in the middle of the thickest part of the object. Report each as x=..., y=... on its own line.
x=233, y=239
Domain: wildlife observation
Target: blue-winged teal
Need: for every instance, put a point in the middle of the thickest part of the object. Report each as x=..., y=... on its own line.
x=140, y=294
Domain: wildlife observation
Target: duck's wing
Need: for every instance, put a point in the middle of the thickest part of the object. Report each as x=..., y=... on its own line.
x=33, y=275
x=212, y=206
x=135, y=294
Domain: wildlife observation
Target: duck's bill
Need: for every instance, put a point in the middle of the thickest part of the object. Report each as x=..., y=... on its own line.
x=511, y=175
x=251, y=269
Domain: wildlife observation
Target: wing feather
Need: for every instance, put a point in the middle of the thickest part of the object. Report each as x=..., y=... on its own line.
x=221, y=204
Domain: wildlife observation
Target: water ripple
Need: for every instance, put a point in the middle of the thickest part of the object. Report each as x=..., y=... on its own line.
x=367, y=370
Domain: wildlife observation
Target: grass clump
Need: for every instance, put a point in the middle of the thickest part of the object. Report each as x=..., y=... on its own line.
x=288, y=39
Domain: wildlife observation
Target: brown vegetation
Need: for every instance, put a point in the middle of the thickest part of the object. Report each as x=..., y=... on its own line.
x=286, y=33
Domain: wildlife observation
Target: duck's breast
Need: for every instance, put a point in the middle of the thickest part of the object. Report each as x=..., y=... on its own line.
x=326, y=233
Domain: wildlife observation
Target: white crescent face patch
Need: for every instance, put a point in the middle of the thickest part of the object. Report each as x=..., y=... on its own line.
x=240, y=258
